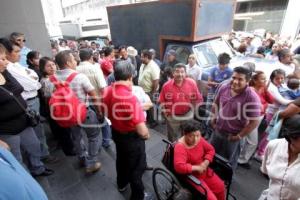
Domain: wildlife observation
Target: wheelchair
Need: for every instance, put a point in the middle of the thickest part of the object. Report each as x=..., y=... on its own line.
x=203, y=116
x=167, y=184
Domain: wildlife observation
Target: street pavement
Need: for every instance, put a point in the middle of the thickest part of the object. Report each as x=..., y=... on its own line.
x=69, y=181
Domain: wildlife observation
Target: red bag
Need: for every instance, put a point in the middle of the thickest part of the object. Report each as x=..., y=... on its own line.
x=65, y=107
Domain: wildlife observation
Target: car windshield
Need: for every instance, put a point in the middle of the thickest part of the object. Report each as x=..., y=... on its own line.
x=207, y=52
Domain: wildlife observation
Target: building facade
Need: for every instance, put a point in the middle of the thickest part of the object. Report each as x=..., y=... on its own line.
x=277, y=16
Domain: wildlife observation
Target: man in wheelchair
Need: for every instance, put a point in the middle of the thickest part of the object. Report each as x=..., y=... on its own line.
x=192, y=155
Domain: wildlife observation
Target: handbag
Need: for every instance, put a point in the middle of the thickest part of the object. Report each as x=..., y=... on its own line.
x=274, y=127
x=33, y=118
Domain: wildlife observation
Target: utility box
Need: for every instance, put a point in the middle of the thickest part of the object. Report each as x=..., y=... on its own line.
x=152, y=24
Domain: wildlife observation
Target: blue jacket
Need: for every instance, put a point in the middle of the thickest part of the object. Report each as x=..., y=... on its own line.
x=16, y=182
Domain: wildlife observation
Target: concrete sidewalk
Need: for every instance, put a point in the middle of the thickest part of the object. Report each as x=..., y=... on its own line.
x=69, y=182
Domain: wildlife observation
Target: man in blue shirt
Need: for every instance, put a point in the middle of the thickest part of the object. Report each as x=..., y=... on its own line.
x=16, y=182
x=218, y=74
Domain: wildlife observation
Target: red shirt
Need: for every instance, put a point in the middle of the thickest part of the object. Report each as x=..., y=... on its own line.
x=107, y=66
x=122, y=108
x=266, y=98
x=184, y=157
x=177, y=100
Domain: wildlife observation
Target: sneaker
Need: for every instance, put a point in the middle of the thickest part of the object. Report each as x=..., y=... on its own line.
x=123, y=189
x=245, y=165
x=96, y=167
x=258, y=157
x=46, y=172
x=148, y=196
x=106, y=145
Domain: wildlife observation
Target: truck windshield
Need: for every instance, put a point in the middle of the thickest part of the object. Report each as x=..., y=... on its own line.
x=207, y=52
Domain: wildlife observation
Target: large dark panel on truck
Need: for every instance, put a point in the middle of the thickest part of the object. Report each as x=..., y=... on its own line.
x=145, y=25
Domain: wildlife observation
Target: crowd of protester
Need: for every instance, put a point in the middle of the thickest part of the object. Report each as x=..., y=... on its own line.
x=122, y=93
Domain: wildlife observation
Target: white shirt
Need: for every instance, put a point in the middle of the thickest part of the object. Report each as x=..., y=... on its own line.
x=284, y=180
x=94, y=73
x=147, y=74
x=279, y=100
x=289, y=69
x=194, y=72
x=141, y=96
x=27, y=78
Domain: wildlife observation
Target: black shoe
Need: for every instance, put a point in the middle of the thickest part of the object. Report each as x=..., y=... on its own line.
x=123, y=189
x=245, y=165
x=47, y=172
x=153, y=124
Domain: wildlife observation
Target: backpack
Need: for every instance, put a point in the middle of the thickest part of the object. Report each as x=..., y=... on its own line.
x=65, y=107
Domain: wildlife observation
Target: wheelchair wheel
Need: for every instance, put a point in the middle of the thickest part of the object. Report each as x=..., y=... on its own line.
x=165, y=184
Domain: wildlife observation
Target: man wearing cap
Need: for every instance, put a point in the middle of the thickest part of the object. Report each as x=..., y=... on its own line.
x=179, y=98
x=129, y=130
x=157, y=61
x=282, y=162
x=19, y=39
x=167, y=66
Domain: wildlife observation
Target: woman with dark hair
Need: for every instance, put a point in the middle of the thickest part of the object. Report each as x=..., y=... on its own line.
x=273, y=54
x=276, y=89
x=30, y=83
x=15, y=129
x=268, y=45
x=258, y=83
x=192, y=155
x=33, y=59
x=281, y=163
x=47, y=68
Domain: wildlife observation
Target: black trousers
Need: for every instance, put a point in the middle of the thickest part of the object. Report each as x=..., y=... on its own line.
x=130, y=162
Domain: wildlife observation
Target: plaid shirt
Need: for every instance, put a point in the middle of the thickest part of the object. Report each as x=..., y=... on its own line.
x=81, y=85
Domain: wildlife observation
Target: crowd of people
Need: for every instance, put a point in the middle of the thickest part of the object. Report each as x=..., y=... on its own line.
x=119, y=93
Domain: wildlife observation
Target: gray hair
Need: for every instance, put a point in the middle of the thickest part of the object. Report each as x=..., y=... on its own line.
x=123, y=70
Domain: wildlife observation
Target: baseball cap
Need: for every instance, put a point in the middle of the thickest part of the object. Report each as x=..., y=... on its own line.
x=171, y=52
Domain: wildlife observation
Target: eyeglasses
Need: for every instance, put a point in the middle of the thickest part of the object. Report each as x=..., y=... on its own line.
x=20, y=40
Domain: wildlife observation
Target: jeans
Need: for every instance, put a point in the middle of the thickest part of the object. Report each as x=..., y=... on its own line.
x=106, y=134
x=225, y=148
x=28, y=141
x=87, y=152
x=34, y=104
